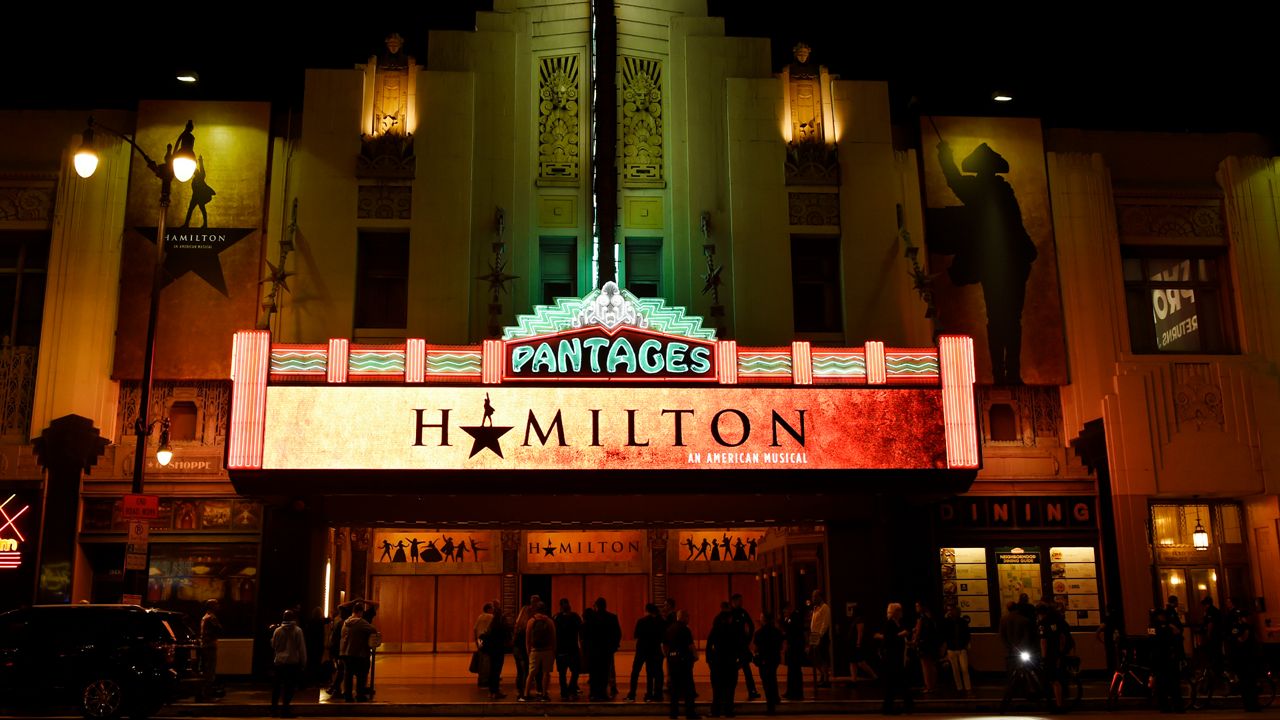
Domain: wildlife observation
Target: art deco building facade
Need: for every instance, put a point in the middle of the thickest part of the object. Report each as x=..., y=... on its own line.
x=399, y=236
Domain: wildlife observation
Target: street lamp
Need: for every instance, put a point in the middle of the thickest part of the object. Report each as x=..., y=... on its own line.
x=179, y=164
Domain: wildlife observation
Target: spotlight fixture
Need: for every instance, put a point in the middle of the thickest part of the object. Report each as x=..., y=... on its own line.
x=189, y=77
x=1001, y=97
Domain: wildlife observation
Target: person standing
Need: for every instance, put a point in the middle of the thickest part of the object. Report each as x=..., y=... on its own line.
x=568, y=653
x=519, y=645
x=648, y=637
x=478, y=630
x=893, y=654
x=742, y=621
x=289, y=648
x=1016, y=633
x=724, y=648
x=1054, y=642
x=1211, y=632
x=210, y=633
x=334, y=647
x=858, y=644
x=541, y=638
x=602, y=634
x=1242, y=652
x=669, y=611
x=797, y=638
x=768, y=655
x=926, y=642
x=955, y=632
x=820, y=640
x=494, y=642
x=356, y=632
x=677, y=645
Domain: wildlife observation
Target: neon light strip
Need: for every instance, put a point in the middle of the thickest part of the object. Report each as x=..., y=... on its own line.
x=764, y=364
x=338, y=353
x=376, y=362
x=846, y=364
x=415, y=370
x=727, y=362
x=874, y=352
x=454, y=363
x=9, y=520
x=285, y=361
x=494, y=362
x=958, y=414
x=250, y=368
x=801, y=363
x=911, y=364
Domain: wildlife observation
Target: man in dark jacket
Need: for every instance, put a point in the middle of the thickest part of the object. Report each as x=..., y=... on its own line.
x=796, y=632
x=568, y=653
x=648, y=637
x=768, y=644
x=494, y=643
x=677, y=645
x=742, y=621
x=725, y=647
x=601, y=635
x=356, y=632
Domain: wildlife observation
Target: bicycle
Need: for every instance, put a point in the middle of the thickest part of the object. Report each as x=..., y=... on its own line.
x=1132, y=677
x=1223, y=683
x=1027, y=674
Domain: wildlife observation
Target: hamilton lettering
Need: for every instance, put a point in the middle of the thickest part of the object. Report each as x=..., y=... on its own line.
x=597, y=427
x=584, y=547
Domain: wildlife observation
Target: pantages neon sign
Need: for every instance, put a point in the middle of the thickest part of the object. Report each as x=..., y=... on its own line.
x=694, y=401
x=11, y=537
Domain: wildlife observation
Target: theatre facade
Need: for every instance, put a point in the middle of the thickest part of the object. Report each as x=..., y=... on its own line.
x=422, y=342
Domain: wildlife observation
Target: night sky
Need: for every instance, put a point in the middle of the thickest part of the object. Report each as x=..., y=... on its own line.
x=1074, y=65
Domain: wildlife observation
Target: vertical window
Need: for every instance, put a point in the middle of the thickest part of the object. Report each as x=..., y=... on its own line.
x=815, y=284
x=644, y=266
x=183, y=420
x=382, y=279
x=558, y=260
x=1177, y=303
x=24, y=257
x=1004, y=425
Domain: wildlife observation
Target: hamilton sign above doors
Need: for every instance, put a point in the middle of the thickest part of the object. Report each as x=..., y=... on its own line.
x=610, y=381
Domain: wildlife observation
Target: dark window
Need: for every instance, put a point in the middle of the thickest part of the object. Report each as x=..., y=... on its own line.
x=558, y=259
x=24, y=257
x=1177, y=302
x=382, y=280
x=182, y=420
x=1003, y=426
x=815, y=284
x=644, y=266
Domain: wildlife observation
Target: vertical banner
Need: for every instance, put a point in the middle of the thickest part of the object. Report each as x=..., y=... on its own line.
x=213, y=239
x=990, y=238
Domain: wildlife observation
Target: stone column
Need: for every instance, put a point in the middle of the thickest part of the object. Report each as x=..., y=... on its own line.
x=69, y=446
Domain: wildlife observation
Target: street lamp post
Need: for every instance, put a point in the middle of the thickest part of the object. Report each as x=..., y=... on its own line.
x=179, y=164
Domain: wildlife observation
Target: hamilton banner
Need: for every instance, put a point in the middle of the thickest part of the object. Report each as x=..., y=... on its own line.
x=213, y=239
x=989, y=235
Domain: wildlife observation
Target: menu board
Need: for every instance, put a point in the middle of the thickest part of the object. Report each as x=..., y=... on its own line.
x=1075, y=584
x=1018, y=570
x=964, y=583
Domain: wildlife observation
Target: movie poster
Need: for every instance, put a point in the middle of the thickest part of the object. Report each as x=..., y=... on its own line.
x=213, y=239
x=989, y=234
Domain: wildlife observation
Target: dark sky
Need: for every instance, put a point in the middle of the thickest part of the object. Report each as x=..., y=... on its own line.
x=1074, y=65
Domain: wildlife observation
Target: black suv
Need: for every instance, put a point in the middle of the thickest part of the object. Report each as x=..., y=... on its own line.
x=107, y=660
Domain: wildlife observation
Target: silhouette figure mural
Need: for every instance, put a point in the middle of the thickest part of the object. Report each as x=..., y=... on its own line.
x=437, y=548
x=201, y=194
x=987, y=224
x=717, y=546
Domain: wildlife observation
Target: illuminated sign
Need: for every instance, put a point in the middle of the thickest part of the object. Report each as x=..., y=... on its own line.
x=1174, y=309
x=645, y=428
x=11, y=537
x=581, y=547
x=609, y=335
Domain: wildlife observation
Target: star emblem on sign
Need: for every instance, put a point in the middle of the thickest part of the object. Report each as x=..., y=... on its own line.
x=197, y=250
x=549, y=550
x=485, y=436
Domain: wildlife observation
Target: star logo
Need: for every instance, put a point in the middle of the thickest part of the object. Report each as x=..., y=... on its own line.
x=196, y=250
x=486, y=436
x=549, y=550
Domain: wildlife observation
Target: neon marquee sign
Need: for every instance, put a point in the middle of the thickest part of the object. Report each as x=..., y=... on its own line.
x=11, y=537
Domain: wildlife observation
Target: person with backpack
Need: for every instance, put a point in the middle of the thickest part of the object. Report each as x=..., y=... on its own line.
x=289, y=648
x=540, y=639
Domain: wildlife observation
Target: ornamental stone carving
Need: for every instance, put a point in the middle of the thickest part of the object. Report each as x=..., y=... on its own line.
x=805, y=208
x=1164, y=218
x=1197, y=397
x=641, y=122
x=27, y=202
x=558, y=137
x=385, y=202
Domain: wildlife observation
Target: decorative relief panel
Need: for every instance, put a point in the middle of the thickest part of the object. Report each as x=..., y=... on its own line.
x=1197, y=397
x=27, y=202
x=17, y=388
x=212, y=399
x=1182, y=218
x=558, y=136
x=805, y=208
x=641, y=122
x=1037, y=413
x=385, y=202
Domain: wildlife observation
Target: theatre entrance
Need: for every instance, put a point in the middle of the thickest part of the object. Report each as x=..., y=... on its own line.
x=431, y=584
